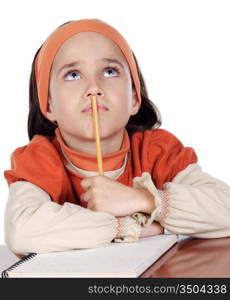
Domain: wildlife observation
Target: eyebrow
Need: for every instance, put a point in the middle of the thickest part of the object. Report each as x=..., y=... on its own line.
x=74, y=63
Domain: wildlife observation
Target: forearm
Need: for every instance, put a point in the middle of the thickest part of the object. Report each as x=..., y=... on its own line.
x=194, y=203
x=146, y=203
x=201, y=212
x=34, y=223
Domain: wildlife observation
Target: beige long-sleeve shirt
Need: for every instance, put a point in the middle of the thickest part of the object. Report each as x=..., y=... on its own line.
x=194, y=203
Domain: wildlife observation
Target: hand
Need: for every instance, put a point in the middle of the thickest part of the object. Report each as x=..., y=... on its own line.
x=107, y=195
x=154, y=229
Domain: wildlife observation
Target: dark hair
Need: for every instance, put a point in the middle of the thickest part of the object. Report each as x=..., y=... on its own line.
x=148, y=116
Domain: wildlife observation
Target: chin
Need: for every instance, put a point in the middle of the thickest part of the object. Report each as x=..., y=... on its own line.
x=87, y=132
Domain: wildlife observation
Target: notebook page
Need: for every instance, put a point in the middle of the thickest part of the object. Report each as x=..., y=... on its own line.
x=112, y=260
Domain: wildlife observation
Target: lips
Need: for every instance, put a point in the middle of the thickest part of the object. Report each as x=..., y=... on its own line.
x=100, y=107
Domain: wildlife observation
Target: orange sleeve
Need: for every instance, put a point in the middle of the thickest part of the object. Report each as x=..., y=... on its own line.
x=170, y=157
x=39, y=163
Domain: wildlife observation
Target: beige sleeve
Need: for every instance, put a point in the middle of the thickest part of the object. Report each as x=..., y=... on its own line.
x=194, y=203
x=34, y=223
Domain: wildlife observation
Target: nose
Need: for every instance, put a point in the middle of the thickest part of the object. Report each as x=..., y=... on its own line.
x=94, y=90
x=93, y=93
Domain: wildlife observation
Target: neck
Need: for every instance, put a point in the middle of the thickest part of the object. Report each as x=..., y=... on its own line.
x=83, y=155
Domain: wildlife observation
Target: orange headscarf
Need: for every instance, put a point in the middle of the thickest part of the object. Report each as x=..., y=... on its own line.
x=45, y=57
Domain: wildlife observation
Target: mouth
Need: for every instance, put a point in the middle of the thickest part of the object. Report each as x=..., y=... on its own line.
x=100, y=107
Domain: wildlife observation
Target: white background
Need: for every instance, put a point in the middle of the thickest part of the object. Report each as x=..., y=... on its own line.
x=183, y=49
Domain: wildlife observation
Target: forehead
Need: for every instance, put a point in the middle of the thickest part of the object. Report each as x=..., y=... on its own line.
x=86, y=45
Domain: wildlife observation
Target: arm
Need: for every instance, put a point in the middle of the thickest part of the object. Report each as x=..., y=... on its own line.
x=34, y=223
x=194, y=203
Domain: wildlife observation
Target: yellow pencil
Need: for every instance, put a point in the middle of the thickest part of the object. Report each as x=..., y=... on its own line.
x=96, y=134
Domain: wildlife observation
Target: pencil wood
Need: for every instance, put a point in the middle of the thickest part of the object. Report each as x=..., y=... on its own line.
x=97, y=134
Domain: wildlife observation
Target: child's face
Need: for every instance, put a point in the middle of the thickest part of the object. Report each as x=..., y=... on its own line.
x=70, y=89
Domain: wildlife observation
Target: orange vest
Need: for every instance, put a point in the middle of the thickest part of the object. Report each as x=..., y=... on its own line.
x=42, y=163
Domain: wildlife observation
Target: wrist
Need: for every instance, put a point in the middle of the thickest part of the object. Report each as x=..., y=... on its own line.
x=118, y=227
x=147, y=201
x=128, y=230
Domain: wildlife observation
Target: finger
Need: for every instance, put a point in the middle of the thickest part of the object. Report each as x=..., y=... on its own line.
x=84, y=197
x=86, y=183
x=90, y=205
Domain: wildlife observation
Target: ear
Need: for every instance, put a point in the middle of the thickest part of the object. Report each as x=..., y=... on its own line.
x=50, y=112
x=135, y=103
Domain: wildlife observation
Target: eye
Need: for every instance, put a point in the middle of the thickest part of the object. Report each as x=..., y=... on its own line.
x=108, y=70
x=73, y=74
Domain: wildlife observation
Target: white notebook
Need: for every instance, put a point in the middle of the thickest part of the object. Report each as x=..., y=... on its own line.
x=115, y=260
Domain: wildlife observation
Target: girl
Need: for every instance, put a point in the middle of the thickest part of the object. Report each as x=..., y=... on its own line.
x=57, y=201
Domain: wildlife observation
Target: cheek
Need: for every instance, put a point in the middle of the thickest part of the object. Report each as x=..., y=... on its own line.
x=122, y=111
x=124, y=101
x=65, y=101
